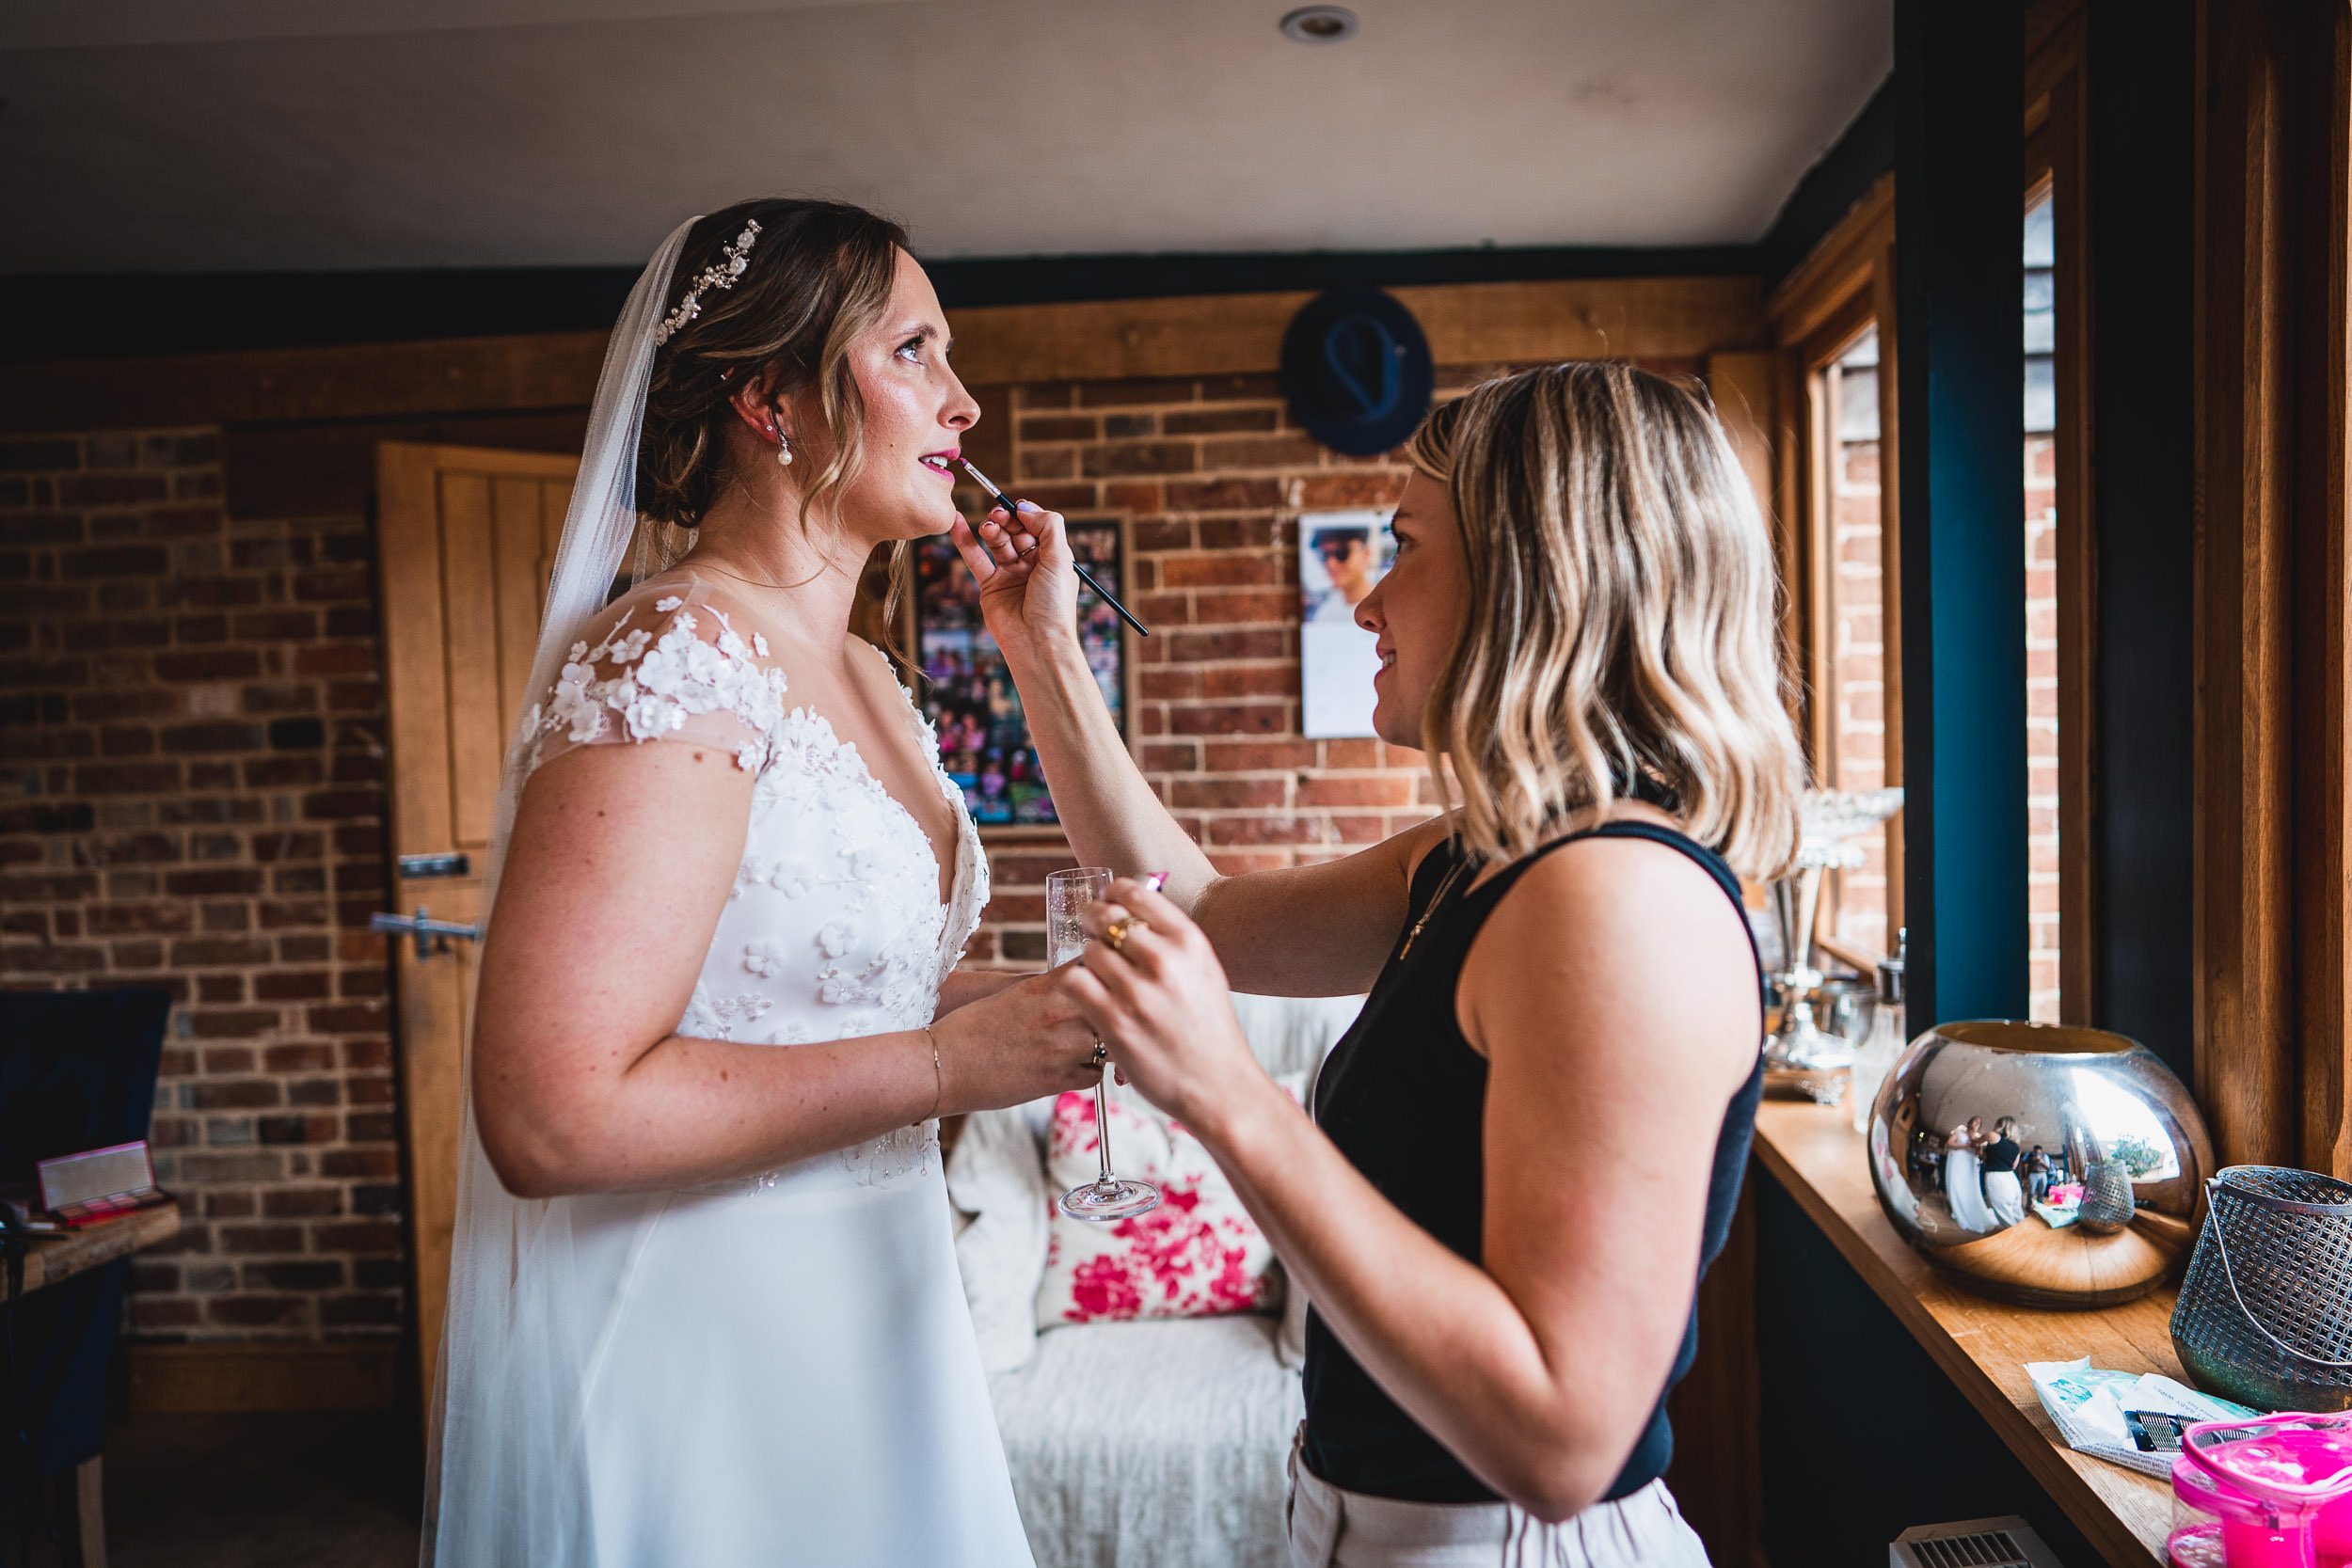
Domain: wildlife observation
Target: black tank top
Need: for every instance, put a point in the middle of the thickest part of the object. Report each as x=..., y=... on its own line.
x=1403, y=1095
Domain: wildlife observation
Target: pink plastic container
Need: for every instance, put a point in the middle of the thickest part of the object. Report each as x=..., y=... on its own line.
x=2273, y=1492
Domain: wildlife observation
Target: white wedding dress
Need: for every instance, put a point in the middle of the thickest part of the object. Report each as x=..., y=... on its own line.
x=1963, y=1189
x=778, y=1369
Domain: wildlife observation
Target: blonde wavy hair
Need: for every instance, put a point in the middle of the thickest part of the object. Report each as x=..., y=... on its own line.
x=1618, y=630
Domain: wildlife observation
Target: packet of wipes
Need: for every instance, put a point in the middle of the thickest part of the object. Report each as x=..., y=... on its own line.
x=2089, y=1407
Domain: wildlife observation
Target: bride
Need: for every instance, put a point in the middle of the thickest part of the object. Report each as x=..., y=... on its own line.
x=704, y=1304
x=1963, y=1182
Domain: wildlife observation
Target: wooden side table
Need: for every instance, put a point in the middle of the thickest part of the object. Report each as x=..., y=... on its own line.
x=62, y=1255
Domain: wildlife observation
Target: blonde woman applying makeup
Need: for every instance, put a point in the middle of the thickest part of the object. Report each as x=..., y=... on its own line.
x=1526, y=1150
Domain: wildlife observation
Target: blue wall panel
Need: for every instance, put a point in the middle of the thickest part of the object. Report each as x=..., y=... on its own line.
x=1960, y=107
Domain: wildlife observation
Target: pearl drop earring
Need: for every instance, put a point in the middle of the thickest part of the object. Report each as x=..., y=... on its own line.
x=784, y=447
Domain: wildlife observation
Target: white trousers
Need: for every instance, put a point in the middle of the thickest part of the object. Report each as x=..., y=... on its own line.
x=2006, y=1198
x=1332, y=1529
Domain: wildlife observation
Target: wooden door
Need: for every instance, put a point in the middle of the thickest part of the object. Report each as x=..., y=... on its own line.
x=465, y=540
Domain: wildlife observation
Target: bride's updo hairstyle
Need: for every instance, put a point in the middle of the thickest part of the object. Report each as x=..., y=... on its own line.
x=816, y=274
x=1619, y=620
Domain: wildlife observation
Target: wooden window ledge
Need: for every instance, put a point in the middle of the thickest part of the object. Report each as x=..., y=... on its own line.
x=1983, y=1345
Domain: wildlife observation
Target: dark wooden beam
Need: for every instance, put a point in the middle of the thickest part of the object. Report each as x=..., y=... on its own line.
x=2273, y=819
x=373, y=381
x=2141, y=304
x=2321, y=436
x=1470, y=323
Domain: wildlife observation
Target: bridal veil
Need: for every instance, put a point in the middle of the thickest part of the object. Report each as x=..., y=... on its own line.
x=506, y=1477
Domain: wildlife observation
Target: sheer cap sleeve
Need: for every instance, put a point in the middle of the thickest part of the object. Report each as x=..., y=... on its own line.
x=665, y=663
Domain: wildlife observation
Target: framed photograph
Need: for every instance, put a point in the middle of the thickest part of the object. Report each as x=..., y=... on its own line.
x=968, y=694
x=1341, y=556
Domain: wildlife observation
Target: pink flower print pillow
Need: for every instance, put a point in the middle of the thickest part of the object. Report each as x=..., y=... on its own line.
x=1198, y=1255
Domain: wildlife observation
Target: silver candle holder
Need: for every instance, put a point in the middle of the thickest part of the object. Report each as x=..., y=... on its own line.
x=1813, y=1058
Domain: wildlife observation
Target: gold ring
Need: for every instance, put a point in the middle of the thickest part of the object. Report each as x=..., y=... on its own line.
x=1116, y=932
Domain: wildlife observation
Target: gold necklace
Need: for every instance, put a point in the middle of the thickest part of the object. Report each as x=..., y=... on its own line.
x=1437, y=901
x=708, y=566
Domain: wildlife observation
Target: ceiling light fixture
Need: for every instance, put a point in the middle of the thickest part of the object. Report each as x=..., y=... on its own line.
x=1320, y=24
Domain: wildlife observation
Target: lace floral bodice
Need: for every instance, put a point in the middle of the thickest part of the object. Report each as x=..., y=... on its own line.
x=832, y=929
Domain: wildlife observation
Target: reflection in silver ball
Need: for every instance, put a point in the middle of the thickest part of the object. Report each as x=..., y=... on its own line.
x=2104, y=1214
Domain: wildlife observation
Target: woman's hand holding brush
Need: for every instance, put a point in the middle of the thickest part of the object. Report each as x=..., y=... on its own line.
x=1027, y=591
x=1010, y=542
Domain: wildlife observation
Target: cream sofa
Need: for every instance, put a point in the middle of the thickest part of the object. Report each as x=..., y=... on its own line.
x=1136, y=1445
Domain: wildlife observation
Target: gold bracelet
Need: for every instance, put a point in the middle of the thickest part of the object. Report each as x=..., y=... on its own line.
x=939, y=1079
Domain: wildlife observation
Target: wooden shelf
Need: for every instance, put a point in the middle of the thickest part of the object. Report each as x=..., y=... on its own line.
x=1983, y=1345
x=60, y=1256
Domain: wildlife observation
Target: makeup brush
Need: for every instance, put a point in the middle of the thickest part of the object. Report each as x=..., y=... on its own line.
x=1012, y=514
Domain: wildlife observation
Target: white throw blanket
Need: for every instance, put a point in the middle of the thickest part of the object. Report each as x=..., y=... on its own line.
x=1152, y=1445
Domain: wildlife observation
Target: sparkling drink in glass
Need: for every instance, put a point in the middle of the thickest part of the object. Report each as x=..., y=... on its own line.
x=1107, y=1197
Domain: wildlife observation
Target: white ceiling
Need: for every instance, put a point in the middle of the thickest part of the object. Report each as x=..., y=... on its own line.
x=205, y=135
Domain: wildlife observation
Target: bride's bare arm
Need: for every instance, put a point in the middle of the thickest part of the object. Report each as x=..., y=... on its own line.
x=619, y=864
x=1319, y=930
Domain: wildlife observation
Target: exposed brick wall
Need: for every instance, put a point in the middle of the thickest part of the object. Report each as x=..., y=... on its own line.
x=191, y=766
x=1858, y=681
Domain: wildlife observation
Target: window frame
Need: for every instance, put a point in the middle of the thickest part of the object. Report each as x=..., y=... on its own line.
x=1845, y=286
x=2058, y=162
x=1817, y=356
x=2273, y=752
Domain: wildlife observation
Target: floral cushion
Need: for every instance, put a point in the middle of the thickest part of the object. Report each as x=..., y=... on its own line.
x=1198, y=1255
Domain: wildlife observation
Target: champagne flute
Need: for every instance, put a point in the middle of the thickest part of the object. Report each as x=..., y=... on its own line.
x=1107, y=1197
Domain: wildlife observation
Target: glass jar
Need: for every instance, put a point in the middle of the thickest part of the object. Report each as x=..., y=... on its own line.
x=2272, y=1492
x=1885, y=1040
x=2216, y=1525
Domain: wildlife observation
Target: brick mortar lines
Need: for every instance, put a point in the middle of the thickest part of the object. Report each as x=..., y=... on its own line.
x=192, y=797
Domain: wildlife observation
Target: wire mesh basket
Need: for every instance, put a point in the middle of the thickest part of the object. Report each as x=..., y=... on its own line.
x=2265, y=1312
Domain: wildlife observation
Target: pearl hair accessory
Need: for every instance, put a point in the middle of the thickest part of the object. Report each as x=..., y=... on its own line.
x=719, y=275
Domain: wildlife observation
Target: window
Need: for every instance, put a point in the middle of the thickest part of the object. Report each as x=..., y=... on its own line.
x=1839, y=552
x=2042, y=608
